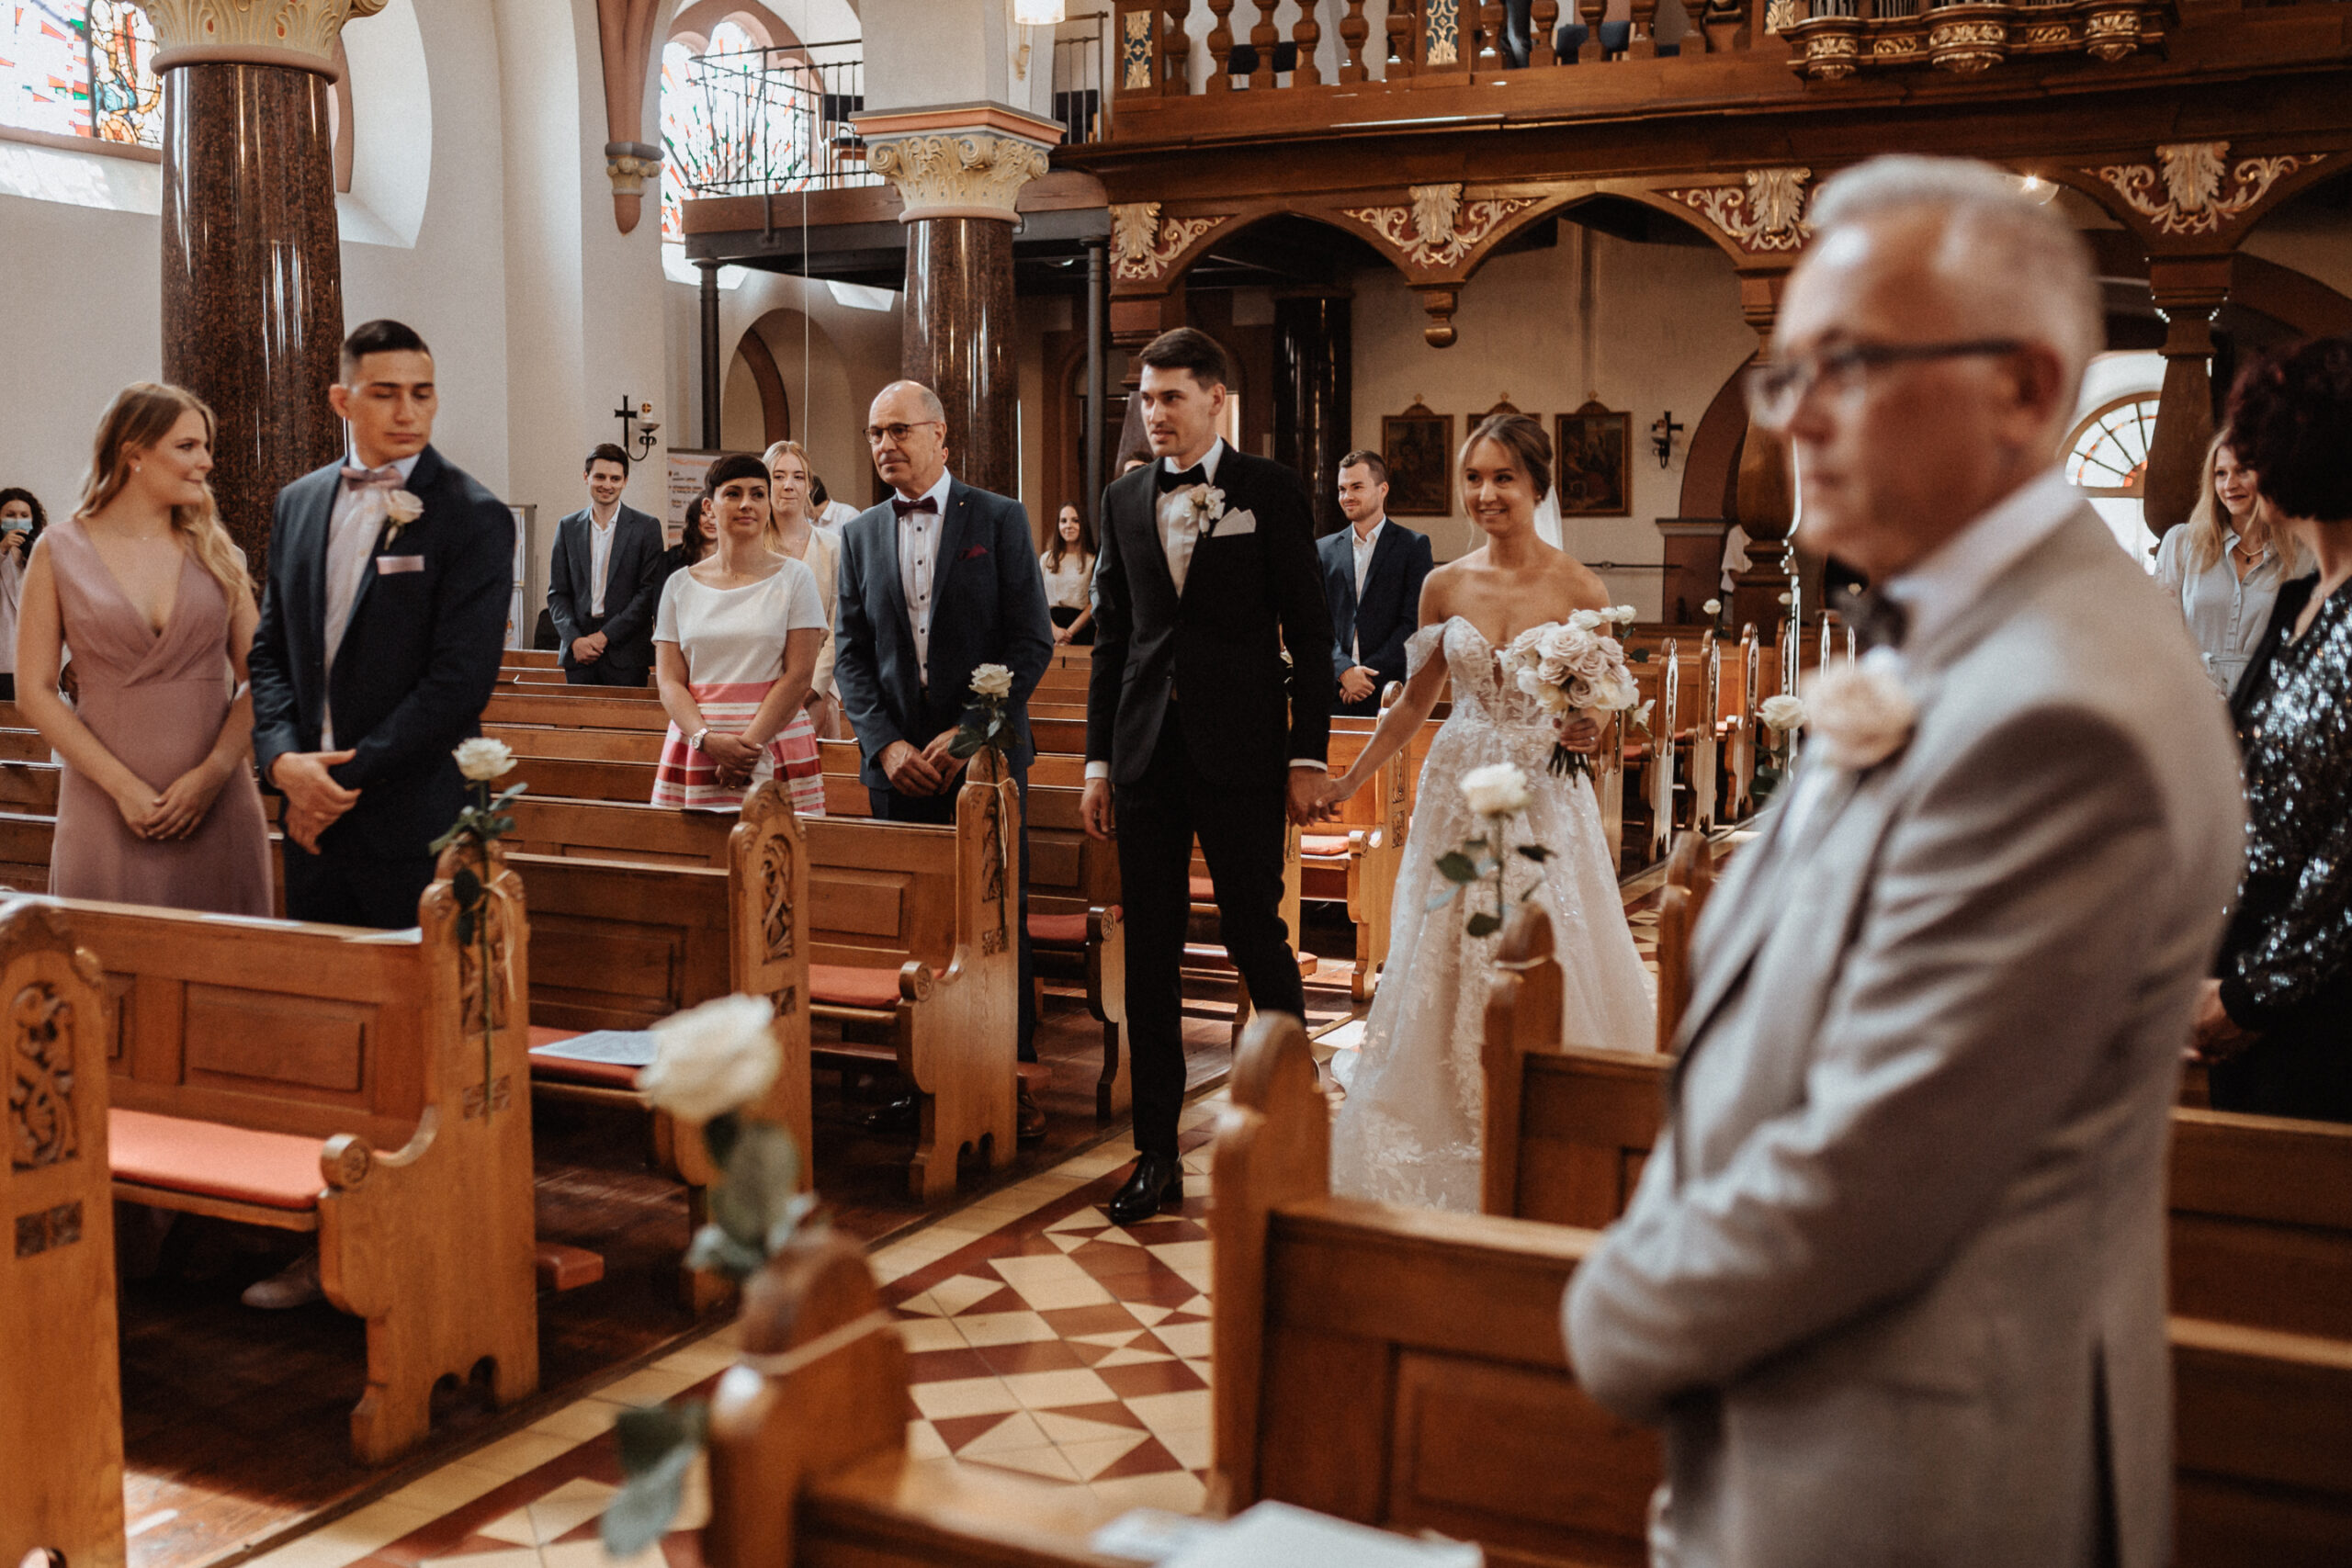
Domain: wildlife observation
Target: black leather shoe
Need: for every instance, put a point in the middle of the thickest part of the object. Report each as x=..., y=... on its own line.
x=1029, y=1117
x=899, y=1115
x=1157, y=1183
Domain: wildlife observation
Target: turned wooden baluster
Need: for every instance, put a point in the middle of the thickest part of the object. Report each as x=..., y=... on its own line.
x=1306, y=32
x=1643, y=44
x=1694, y=37
x=1220, y=46
x=1546, y=25
x=1353, y=31
x=1488, y=54
x=1403, y=40
x=1263, y=37
x=1592, y=11
x=1176, y=46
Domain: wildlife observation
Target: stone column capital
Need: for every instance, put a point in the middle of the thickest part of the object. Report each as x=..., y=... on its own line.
x=960, y=163
x=298, y=34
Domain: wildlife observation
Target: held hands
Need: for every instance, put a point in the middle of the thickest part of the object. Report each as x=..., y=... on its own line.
x=942, y=760
x=588, y=649
x=2213, y=1036
x=1061, y=635
x=909, y=772
x=1309, y=790
x=1358, y=684
x=732, y=756
x=180, y=810
x=314, y=802
x=1334, y=792
x=1580, y=732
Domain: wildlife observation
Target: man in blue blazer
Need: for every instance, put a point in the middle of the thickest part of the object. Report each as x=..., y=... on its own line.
x=935, y=582
x=599, y=594
x=382, y=622
x=1372, y=579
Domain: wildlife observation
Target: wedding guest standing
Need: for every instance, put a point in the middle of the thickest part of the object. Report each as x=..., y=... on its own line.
x=831, y=515
x=597, y=590
x=735, y=645
x=1373, y=572
x=157, y=804
x=2225, y=567
x=390, y=576
x=21, y=521
x=793, y=531
x=1069, y=566
x=694, y=542
x=2277, y=1024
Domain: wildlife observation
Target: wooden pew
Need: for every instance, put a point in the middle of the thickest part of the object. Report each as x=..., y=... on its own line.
x=61, y=1397
x=1358, y=858
x=335, y=1081
x=1353, y=1375
x=1690, y=877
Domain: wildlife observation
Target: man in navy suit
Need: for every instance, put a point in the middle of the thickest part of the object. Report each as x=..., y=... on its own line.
x=1372, y=579
x=935, y=582
x=379, y=643
x=598, y=595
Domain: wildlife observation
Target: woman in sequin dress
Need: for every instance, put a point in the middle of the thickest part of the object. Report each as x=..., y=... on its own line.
x=2276, y=1023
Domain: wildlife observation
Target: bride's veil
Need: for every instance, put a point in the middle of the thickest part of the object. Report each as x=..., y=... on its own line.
x=1548, y=520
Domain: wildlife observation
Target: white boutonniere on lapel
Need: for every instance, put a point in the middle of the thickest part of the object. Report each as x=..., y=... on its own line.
x=1862, y=714
x=1208, y=505
x=400, y=508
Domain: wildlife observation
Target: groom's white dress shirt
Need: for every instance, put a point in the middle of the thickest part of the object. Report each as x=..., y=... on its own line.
x=918, y=535
x=602, y=525
x=357, y=518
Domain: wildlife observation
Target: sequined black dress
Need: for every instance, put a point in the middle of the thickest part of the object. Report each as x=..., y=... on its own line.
x=2286, y=963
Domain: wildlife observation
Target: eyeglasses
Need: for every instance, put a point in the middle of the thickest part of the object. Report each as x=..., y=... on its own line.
x=896, y=434
x=1775, y=390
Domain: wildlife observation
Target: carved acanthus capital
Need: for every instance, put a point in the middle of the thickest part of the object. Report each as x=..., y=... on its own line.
x=1765, y=213
x=2192, y=188
x=1143, y=243
x=957, y=173
x=1439, y=229
x=296, y=33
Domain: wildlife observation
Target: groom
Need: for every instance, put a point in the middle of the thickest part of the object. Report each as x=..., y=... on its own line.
x=1206, y=582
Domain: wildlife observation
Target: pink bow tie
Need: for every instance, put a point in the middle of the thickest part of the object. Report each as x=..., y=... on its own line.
x=363, y=478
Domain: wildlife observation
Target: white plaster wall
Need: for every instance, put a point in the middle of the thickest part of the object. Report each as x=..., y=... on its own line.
x=1667, y=333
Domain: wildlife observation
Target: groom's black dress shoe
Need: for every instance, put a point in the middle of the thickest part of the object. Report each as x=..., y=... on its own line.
x=1157, y=1183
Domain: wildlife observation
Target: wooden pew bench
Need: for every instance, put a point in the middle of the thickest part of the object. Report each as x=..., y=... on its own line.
x=335, y=1081
x=61, y=1395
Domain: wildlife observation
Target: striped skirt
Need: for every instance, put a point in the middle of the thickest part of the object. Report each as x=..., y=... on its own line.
x=687, y=779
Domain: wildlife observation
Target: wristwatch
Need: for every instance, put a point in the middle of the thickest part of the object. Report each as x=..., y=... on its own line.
x=694, y=741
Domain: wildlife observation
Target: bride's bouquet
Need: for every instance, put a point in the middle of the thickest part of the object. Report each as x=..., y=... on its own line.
x=1571, y=664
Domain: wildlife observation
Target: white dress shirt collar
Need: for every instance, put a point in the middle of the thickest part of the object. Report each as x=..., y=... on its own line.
x=1207, y=464
x=1941, y=585
x=406, y=466
x=937, y=492
x=598, y=517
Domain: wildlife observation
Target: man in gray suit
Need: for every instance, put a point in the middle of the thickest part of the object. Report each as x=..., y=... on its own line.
x=597, y=592
x=1894, y=1280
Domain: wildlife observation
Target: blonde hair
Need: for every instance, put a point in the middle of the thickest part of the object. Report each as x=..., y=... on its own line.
x=767, y=460
x=2208, y=527
x=138, y=420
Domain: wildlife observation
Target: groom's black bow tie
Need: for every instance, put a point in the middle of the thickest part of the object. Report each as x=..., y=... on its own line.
x=1195, y=474
x=903, y=507
x=1878, y=621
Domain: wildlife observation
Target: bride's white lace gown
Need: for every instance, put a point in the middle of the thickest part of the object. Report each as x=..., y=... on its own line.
x=1408, y=1131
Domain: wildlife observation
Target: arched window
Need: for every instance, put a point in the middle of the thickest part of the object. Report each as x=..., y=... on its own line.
x=727, y=120
x=75, y=69
x=2108, y=453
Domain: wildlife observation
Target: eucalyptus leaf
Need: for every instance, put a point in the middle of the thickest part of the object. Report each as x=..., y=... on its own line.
x=1484, y=924
x=713, y=1249
x=640, y=1514
x=1455, y=866
x=1535, y=853
x=645, y=1435
x=718, y=1137
x=966, y=742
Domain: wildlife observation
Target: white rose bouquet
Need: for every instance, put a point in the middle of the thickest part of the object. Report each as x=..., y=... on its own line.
x=1571, y=665
x=482, y=762
x=1497, y=791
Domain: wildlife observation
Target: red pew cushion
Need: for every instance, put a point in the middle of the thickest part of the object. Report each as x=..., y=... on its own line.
x=1057, y=930
x=852, y=985
x=212, y=1159
x=1323, y=843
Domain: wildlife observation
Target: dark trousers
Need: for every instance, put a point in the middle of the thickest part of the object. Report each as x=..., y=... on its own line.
x=354, y=890
x=939, y=810
x=603, y=671
x=1240, y=832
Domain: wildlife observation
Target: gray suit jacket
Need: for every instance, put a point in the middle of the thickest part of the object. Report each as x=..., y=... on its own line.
x=630, y=600
x=1894, y=1280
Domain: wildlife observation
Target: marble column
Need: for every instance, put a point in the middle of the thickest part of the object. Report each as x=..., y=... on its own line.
x=959, y=173
x=253, y=268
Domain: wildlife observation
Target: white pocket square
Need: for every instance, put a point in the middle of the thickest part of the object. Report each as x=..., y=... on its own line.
x=385, y=565
x=1234, y=523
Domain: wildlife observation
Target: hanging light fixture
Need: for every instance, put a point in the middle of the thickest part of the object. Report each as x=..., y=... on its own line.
x=1038, y=13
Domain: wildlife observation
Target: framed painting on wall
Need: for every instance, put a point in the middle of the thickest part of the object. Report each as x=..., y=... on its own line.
x=1418, y=447
x=1593, y=453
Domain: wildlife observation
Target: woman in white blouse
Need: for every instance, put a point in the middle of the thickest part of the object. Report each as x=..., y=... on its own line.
x=735, y=646
x=21, y=520
x=794, y=531
x=2224, y=568
x=1069, y=566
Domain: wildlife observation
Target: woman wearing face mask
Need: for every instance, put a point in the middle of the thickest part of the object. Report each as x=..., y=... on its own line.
x=21, y=521
x=158, y=803
x=735, y=646
x=1069, y=566
x=793, y=532
x=2225, y=567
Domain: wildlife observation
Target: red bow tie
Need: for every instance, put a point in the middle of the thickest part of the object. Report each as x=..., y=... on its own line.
x=903, y=507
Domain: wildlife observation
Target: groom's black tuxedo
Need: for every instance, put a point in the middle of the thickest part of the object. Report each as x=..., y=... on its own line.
x=415, y=668
x=1191, y=708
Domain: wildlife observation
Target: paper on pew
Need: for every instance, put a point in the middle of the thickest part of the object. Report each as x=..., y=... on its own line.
x=1272, y=1535
x=619, y=1047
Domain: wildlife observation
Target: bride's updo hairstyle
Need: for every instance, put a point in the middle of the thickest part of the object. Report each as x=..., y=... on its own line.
x=1530, y=448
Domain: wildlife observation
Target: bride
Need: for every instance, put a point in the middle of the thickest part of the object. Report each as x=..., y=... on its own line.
x=1409, y=1132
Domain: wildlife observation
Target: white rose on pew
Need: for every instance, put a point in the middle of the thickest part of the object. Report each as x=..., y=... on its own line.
x=1497, y=789
x=1860, y=714
x=1712, y=606
x=1782, y=714
x=483, y=758
x=1623, y=615
x=993, y=680
x=712, y=1059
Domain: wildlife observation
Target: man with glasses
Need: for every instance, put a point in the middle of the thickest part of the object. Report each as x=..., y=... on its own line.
x=1893, y=1278
x=935, y=581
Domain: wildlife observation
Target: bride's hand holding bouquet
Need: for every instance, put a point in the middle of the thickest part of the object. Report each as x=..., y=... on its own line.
x=1577, y=670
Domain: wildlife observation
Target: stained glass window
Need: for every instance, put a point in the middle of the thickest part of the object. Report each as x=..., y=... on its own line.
x=2108, y=454
x=80, y=70
x=739, y=117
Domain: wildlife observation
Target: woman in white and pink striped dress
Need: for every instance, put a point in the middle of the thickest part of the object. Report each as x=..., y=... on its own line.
x=735, y=646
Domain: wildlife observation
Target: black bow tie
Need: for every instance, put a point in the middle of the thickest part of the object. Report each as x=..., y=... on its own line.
x=902, y=506
x=1878, y=621
x=1195, y=474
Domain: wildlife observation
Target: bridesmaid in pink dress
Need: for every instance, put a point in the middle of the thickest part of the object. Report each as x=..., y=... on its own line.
x=158, y=804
